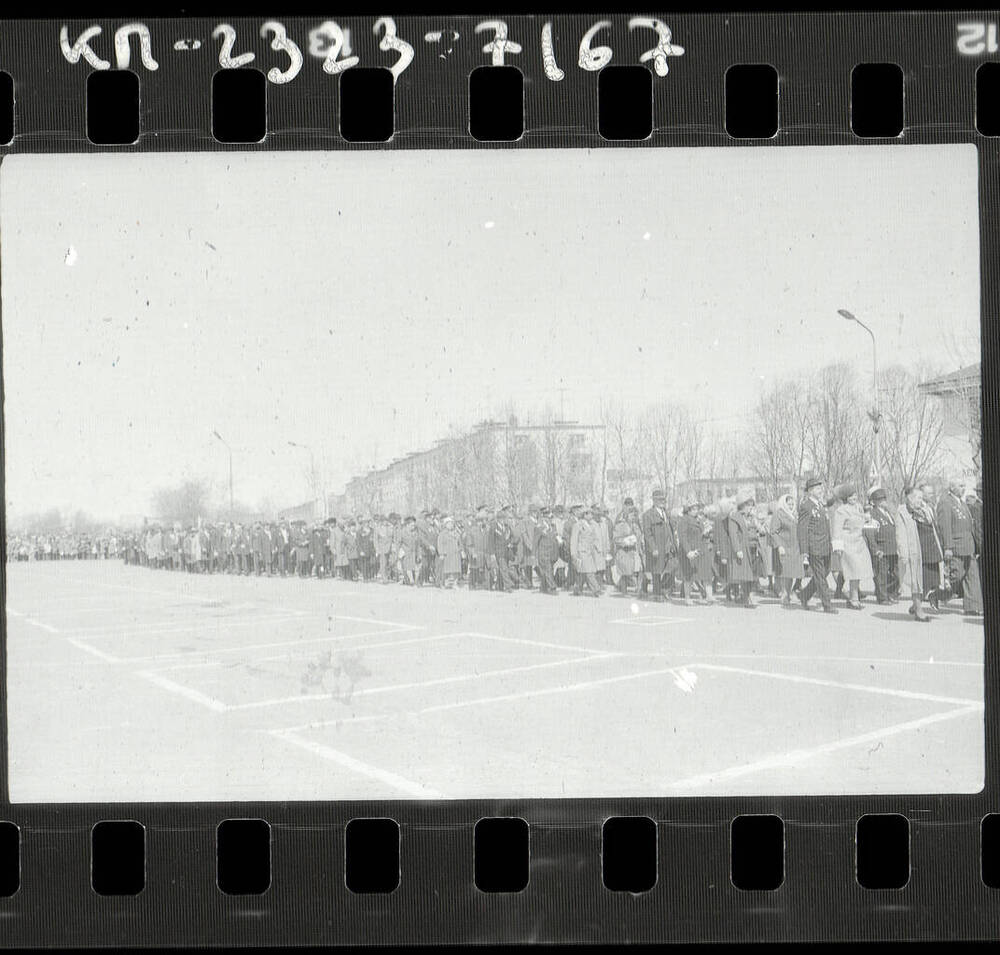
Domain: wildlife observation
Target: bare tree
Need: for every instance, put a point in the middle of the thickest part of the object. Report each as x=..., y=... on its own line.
x=621, y=449
x=912, y=428
x=554, y=455
x=668, y=427
x=839, y=436
x=186, y=502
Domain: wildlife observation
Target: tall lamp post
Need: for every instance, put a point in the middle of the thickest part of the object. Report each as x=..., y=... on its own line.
x=230, y=450
x=874, y=414
x=312, y=471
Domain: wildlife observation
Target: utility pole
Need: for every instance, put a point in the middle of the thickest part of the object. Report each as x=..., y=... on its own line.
x=875, y=415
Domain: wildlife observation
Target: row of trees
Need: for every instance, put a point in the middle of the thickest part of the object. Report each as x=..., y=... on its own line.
x=818, y=423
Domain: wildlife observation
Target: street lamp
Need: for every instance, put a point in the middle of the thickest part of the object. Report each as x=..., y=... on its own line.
x=875, y=414
x=312, y=471
x=230, y=450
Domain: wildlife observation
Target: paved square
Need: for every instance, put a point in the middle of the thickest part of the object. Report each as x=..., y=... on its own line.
x=131, y=684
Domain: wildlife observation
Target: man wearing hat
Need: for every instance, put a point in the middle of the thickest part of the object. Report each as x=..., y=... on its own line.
x=659, y=544
x=814, y=544
x=955, y=525
x=880, y=535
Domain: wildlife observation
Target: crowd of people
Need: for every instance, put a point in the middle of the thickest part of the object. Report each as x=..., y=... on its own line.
x=63, y=546
x=924, y=548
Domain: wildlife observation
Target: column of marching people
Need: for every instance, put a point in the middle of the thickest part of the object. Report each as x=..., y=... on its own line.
x=833, y=545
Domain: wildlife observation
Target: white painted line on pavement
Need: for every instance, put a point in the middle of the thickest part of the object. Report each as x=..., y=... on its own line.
x=289, y=656
x=394, y=687
x=208, y=651
x=652, y=621
x=30, y=620
x=860, y=687
x=159, y=626
x=486, y=700
x=87, y=648
x=795, y=757
x=43, y=626
x=533, y=643
x=376, y=620
x=161, y=681
x=365, y=769
x=805, y=659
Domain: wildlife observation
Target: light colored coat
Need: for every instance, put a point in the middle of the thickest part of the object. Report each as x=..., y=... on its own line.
x=911, y=564
x=450, y=551
x=586, y=547
x=847, y=537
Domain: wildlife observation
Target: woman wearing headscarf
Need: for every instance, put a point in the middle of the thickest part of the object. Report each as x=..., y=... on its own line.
x=742, y=573
x=785, y=554
x=910, y=564
x=847, y=538
x=763, y=562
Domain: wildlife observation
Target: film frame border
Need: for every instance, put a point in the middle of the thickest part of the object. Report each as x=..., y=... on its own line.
x=565, y=900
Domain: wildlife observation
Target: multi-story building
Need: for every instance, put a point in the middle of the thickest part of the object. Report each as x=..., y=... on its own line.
x=509, y=462
x=960, y=396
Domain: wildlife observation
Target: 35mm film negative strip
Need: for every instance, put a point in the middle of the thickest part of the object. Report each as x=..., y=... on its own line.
x=499, y=479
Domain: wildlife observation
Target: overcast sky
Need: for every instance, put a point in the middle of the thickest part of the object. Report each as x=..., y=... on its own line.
x=363, y=303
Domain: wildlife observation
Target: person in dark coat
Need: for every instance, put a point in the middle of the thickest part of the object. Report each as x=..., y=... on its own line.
x=564, y=547
x=366, y=549
x=881, y=540
x=427, y=539
x=696, y=552
x=319, y=537
x=974, y=501
x=284, y=543
x=721, y=511
x=299, y=541
x=956, y=527
x=259, y=544
x=933, y=573
x=740, y=529
x=498, y=538
x=546, y=550
x=474, y=543
x=815, y=545
x=659, y=544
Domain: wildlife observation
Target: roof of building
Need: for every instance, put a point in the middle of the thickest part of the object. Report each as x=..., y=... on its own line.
x=946, y=384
